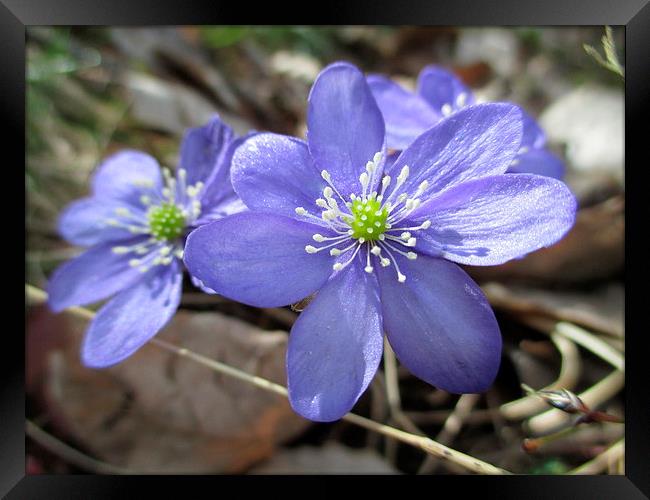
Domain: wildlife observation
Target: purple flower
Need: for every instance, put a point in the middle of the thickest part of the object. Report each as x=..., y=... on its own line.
x=439, y=94
x=378, y=243
x=136, y=222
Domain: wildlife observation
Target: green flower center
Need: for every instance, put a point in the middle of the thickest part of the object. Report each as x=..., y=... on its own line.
x=368, y=219
x=166, y=221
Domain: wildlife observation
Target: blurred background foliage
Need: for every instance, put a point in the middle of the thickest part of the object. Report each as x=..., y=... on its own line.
x=93, y=91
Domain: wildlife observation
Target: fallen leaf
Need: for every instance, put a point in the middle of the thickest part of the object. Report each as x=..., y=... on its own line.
x=158, y=412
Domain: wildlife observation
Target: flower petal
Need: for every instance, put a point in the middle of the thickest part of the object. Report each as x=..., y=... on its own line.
x=135, y=315
x=440, y=87
x=538, y=161
x=83, y=222
x=478, y=141
x=92, y=276
x=203, y=150
x=533, y=136
x=258, y=259
x=199, y=284
x=225, y=207
x=335, y=346
x=406, y=114
x=218, y=191
x=345, y=126
x=492, y=220
x=440, y=325
x=274, y=173
x=127, y=175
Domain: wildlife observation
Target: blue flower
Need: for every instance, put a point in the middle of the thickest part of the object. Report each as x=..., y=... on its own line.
x=439, y=94
x=135, y=222
x=379, y=243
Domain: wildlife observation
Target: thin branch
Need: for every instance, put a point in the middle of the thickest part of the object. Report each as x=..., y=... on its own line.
x=452, y=427
x=568, y=377
x=392, y=384
x=70, y=454
x=600, y=463
x=36, y=296
x=591, y=343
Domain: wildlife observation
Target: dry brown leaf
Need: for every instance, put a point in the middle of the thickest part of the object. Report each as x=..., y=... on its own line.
x=159, y=413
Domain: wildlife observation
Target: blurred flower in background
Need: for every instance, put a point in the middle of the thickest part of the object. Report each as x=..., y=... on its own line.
x=136, y=222
x=440, y=94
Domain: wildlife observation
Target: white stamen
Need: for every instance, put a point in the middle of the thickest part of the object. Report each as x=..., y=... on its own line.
x=338, y=266
x=446, y=109
x=368, y=267
x=421, y=188
x=363, y=178
x=400, y=277
x=145, y=183
x=385, y=182
x=404, y=173
x=461, y=99
x=193, y=191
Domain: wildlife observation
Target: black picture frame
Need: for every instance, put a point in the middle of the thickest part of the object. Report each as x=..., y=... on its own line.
x=634, y=15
